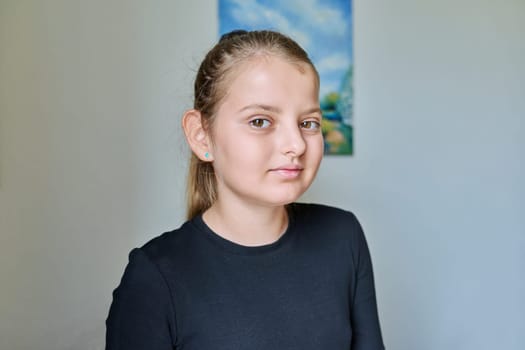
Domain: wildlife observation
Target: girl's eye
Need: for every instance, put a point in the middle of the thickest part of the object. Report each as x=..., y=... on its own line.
x=260, y=123
x=311, y=125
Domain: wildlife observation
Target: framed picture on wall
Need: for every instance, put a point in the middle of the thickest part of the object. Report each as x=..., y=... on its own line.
x=324, y=30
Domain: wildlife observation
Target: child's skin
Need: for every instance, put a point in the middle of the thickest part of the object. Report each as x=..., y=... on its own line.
x=265, y=145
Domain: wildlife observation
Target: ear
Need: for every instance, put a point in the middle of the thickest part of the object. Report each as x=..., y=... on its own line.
x=196, y=135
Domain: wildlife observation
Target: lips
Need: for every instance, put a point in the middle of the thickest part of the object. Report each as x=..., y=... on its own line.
x=290, y=171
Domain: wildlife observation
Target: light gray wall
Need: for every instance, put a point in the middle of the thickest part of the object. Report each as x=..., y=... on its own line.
x=438, y=178
x=92, y=158
x=92, y=161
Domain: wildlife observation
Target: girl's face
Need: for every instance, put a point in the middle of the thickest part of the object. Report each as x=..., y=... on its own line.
x=267, y=142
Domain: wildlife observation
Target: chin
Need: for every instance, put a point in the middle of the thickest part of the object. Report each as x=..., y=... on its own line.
x=285, y=198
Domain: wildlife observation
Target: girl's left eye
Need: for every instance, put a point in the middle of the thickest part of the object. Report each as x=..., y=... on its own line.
x=310, y=125
x=260, y=123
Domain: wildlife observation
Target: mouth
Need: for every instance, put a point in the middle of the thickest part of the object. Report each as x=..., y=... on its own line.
x=288, y=171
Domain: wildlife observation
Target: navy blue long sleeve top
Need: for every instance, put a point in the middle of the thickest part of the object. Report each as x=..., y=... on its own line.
x=192, y=289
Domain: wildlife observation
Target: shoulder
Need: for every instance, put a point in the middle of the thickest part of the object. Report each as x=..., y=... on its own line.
x=170, y=246
x=152, y=264
x=323, y=215
x=327, y=223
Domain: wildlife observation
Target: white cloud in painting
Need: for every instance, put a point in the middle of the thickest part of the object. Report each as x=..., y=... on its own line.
x=335, y=62
x=256, y=15
x=328, y=87
x=319, y=15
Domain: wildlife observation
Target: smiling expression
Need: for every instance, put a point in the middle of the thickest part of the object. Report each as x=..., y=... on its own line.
x=266, y=136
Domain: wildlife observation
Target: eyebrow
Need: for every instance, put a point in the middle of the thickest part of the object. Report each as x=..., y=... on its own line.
x=277, y=109
x=261, y=106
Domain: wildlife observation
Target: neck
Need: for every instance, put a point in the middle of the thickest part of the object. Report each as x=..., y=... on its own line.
x=247, y=225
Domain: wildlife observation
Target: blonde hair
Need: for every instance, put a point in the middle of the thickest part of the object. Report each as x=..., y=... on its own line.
x=211, y=85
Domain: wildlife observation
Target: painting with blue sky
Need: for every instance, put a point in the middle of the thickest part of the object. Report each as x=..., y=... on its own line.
x=324, y=29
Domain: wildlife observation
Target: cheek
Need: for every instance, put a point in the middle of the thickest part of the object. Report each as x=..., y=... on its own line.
x=241, y=153
x=316, y=147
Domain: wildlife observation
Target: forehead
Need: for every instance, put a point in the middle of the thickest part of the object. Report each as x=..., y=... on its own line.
x=267, y=61
x=269, y=77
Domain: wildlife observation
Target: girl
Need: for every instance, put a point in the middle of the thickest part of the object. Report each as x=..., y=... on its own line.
x=251, y=269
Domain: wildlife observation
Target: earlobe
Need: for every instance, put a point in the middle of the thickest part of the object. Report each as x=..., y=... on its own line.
x=196, y=134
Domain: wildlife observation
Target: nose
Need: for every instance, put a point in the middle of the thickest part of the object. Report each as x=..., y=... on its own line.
x=292, y=140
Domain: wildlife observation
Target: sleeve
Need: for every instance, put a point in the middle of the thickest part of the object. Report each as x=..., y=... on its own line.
x=141, y=315
x=363, y=307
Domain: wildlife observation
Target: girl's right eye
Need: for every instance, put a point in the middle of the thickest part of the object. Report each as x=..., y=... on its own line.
x=260, y=123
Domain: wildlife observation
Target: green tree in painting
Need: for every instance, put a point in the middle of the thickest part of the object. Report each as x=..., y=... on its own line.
x=329, y=101
x=337, y=110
